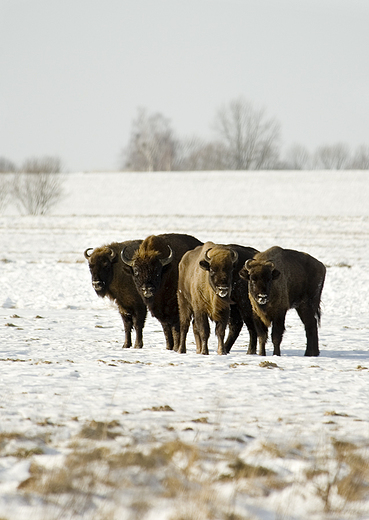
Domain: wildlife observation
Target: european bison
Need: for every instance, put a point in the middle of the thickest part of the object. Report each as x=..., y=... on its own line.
x=204, y=291
x=241, y=310
x=154, y=270
x=279, y=280
x=110, y=279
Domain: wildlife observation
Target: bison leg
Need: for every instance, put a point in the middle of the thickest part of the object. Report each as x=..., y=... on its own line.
x=308, y=318
x=197, y=337
x=277, y=333
x=168, y=335
x=138, y=323
x=250, y=324
x=185, y=314
x=234, y=327
x=220, y=332
x=176, y=336
x=128, y=324
x=201, y=325
x=262, y=333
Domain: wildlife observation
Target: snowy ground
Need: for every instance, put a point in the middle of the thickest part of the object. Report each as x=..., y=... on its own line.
x=90, y=431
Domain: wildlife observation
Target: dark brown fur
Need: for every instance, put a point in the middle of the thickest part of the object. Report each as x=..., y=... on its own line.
x=204, y=291
x=279, y=280
x=111, y=280
x=157, y=283
x=241, y=310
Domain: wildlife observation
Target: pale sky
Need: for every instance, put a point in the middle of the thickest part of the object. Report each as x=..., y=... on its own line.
x=74, y=72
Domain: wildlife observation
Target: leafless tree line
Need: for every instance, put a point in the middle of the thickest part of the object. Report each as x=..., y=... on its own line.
x=245, y=139
x=35, y=187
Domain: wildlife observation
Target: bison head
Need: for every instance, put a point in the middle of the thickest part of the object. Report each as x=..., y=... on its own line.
x=100, y=262
x=260, y=276
x=220, y=264
x=147, y=267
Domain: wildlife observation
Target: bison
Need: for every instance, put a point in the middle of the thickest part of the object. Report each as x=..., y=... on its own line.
x=241, y=310
x=204, y=291
x=154, y=270
x=110, y=279
x=279, y=280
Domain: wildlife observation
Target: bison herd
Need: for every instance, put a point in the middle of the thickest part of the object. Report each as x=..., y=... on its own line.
x=179, y=279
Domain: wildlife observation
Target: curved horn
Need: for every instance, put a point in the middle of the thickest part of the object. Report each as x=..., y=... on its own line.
x=166, y=261
x=207, y=258
x=86, y=252
x=248, y=264
x=234, y=256
x=125, y=258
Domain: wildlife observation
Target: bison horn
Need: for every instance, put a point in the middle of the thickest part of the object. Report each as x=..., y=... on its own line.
x=248, y=264
x=234, y=256
x=207, y=257
x=86, y=252
x=125, y=258
x=166, y=261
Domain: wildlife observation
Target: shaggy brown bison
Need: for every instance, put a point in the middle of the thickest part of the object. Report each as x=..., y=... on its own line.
x=204, y=291
x=154, y=270
x=279, y=280
x=110, y=279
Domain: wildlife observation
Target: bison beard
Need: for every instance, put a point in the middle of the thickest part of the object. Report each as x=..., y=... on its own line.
x=109, y=279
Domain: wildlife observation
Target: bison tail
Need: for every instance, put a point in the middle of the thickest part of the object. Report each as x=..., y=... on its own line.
x=318, y=315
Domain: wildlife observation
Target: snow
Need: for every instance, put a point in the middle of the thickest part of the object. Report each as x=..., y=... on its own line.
x=64, y=375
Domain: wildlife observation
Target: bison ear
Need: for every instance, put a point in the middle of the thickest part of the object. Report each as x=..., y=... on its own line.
x=243, y=273
x=204, y=265
x=275, y=274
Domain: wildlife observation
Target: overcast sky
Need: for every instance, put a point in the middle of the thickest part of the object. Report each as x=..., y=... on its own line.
x=74, y=72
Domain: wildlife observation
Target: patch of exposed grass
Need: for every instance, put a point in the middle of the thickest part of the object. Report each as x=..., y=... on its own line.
x=164, y=408
x=97, y=430
x=335, y=414
x=240, y=469
x=269, y=364
x=26, y=453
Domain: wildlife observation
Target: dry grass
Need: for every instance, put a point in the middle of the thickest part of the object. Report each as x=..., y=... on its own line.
x=343, y=473
x=188, y=477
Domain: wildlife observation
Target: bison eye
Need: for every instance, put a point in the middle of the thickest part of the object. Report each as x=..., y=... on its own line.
x=135, y=271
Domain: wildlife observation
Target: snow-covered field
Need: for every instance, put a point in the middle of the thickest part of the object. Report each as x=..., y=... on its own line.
x=89, y=430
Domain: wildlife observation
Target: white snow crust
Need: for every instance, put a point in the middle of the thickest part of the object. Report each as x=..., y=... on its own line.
x=62, y=365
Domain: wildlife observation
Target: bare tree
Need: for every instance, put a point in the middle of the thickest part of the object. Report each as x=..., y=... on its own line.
x=298, y=158
x=196, y=154
x=360, y=159
x=250, y=139
x=38, y=186
x=5, y=191
x=332, y=157
x=7, y=166
x=152, y=145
